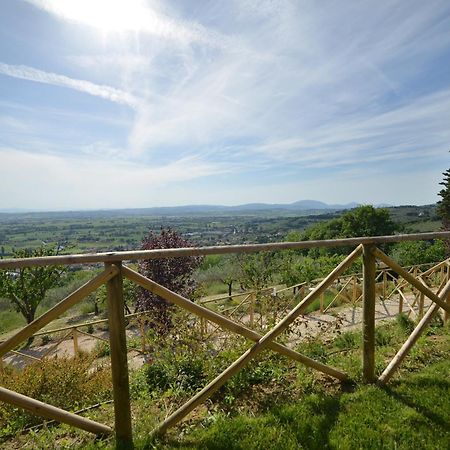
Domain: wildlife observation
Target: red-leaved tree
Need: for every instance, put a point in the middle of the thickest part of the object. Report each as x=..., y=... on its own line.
x=175, y=274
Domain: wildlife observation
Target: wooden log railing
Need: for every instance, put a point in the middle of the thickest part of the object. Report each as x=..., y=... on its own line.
x=73, y=332
x=115, y=270
x=341, y=292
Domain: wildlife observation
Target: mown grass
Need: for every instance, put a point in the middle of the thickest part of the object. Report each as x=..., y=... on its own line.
x=277, y=404
x=413, y=413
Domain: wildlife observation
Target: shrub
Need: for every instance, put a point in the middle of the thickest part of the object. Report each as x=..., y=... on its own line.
x=405, y=323
x=347, y=340
x=102, y=349
x=382, y=337
x=157, y=377
x=45, y=339
x=68, y=383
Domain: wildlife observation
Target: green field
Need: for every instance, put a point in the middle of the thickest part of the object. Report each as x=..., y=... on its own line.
x=81, y=232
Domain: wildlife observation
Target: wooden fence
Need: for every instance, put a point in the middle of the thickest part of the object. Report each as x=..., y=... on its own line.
x=258, y=309
x=115, y=270
x=73, y=332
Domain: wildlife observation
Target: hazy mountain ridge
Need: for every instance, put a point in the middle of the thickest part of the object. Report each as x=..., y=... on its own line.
x=301, y=205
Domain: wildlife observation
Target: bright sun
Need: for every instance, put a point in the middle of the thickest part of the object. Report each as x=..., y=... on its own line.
x=106, y=15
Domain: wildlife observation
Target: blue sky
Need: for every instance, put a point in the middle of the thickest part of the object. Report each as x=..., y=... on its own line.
x=122, y=103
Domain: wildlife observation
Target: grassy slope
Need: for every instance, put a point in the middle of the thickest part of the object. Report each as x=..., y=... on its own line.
x=413, y=412
x=281, y=405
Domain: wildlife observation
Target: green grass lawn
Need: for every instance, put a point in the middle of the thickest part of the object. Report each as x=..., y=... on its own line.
x=275, y=403
x=412, y=413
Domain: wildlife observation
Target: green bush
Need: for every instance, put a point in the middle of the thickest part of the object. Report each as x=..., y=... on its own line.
x=405, y=323
x=157, y=377
x=68, y=383
x=347, y=340
x=383, y=337
x=102, y=349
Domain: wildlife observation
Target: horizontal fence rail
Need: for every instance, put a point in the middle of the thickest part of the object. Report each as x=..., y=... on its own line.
x=213, y=250
x=351, y=287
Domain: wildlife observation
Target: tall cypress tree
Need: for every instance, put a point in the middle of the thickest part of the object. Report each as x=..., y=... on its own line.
x=443, y=207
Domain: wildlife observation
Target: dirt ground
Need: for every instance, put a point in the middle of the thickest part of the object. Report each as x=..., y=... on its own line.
x=344, y=318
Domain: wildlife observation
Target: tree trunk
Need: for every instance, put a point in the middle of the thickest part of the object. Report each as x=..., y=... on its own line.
x=30, y=317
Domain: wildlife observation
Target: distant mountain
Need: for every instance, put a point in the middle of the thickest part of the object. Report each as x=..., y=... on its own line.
x=311, y=206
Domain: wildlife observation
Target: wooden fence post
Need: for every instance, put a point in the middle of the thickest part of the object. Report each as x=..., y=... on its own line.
x=412, y=339
x=446, y=313
x=354, y=290
x=119, y=363
x=252, y=308
x=322, y=301
x=75, y=341
x=400, y=299
x=369, y=270
x=421, y=301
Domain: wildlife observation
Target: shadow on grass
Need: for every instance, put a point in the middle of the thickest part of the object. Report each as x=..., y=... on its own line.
x=421, y=388
x=311, y=421
x=304, y=425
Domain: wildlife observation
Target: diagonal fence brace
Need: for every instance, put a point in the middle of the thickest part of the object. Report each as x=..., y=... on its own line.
x=57, y=310
x=263, y=343
x=406, y=347
x=411, y=279
x=52, y=412
x=226, y=323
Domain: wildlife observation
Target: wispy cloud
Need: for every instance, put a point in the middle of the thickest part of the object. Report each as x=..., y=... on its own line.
x=81, y=182
x=97, y=90
x=256, y=88
x=411, y=131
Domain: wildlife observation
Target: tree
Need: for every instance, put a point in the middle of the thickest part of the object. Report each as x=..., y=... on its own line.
x=129, y=296
x=26, y=287
x=224, y=269
x=175, y=274
x=443, y=206
x=257, y=269
x=300, y=269
x=409, y=253
x=361, y=221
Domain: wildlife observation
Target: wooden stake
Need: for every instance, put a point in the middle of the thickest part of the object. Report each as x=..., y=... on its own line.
x=421, y=301
x=339, y=294
x=252, y=309
x=26, y=355
x=119, y=363
x=55, y=346
x=354, y=292
x=369, y=270
x=51, y=412
x=75, y=341
x=406, y=347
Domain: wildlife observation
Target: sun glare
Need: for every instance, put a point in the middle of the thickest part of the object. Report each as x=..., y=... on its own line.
x=106, y=15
